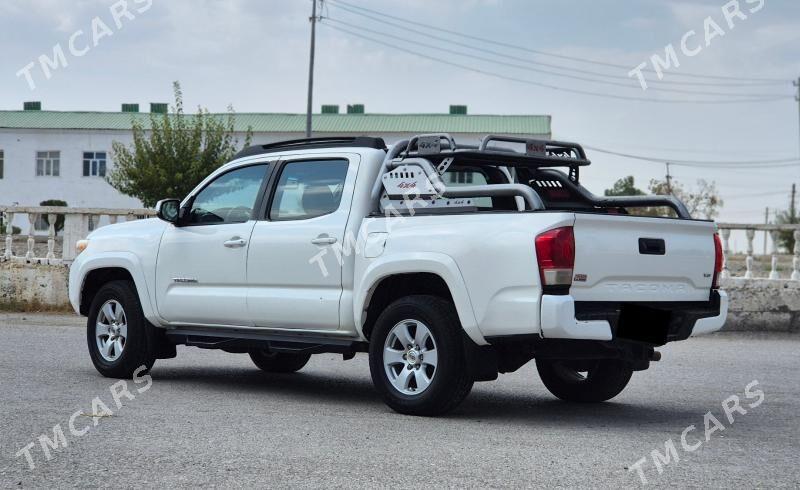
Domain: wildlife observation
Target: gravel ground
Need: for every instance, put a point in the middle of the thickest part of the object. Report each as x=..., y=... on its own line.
x=212, y=419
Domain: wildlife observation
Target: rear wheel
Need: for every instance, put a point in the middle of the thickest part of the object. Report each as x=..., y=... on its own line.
x=593, y=381
x=119, y=337
x=416, y=356
x=279, y=362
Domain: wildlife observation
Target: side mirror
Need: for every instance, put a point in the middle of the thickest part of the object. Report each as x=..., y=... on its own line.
x=168, y=210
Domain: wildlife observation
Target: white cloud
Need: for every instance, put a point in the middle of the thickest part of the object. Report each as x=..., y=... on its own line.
x=52, y=14
x=691, y=15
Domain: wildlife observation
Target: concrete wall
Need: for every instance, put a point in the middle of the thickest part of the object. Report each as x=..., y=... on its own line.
x=33, y=287
x=763, y=305
x=756, y=305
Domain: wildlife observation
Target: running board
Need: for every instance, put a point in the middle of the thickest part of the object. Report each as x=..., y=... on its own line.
x=244, y=341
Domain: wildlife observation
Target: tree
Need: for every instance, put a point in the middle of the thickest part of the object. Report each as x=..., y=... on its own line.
x=704, y=201
x=624, y=187
x=627, y=187
x=175, y=154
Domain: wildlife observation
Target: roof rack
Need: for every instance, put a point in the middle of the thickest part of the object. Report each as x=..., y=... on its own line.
x=312, y=143
x=537, y=153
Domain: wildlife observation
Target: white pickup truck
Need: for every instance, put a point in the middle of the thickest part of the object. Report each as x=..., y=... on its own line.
x=448, y=264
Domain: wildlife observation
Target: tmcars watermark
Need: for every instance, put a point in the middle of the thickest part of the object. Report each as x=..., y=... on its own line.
x=118, y=391
x=690, y=442
x=691, y=45
x=352, y=244
x=80, y=42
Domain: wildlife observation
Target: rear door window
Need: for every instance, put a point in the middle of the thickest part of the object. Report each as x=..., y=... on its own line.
x=307, y=189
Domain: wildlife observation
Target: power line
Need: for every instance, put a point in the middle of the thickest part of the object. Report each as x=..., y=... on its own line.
x=340, y=4
x=652, y=83
x=730, y=150
x=782, y=162
x=549, y=86
x=755, y=194
x=797, y=97
x=521, y=67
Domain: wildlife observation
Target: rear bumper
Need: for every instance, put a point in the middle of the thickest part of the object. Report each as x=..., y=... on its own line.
x=656, y=322
x=712, y=324
x=559, y=321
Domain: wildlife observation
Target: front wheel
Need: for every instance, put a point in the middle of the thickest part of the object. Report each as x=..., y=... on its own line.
x=416, y=356
x=119, y=337
x=594, y=381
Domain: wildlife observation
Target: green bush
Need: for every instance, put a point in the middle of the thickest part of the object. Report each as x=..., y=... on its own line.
x=15, y=230
x=59, y=218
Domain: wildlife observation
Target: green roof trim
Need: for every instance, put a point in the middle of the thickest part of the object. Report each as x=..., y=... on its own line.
x=296, y=123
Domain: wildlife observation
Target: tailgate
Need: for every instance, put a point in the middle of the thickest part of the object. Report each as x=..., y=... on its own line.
x=628, y=258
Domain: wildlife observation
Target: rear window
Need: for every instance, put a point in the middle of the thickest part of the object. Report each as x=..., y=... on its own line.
x=466, y=177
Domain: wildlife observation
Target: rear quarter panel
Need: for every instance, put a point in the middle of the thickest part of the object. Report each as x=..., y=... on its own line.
x=491, y=258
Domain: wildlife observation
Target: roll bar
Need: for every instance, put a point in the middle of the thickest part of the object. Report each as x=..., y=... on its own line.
x=530, y=196
x=620, y=201
x=427, y=144
x=436, y=150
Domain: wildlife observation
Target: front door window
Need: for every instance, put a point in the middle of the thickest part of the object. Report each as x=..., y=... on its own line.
x=229, y=198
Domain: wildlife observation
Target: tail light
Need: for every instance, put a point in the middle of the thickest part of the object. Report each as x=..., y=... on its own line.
x=719, y=261
x=555, y=252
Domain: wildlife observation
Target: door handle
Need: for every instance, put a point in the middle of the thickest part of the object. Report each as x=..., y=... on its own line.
x=235, y=242
x=324, y=239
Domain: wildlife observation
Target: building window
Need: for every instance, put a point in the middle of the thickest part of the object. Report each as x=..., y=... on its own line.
x=2, y=159
x=48, y=163
x=41, y=224
x=94, y=164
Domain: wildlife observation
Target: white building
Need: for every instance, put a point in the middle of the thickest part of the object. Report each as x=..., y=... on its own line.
x=65, y=155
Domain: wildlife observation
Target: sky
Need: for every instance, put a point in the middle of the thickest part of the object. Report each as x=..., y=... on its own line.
x=253, y=55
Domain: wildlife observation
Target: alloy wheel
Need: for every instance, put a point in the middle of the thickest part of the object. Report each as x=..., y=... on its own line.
x=410, y=357
x=111, y=330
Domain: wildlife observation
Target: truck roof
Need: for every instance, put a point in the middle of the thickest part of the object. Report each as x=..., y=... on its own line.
x=314, y=143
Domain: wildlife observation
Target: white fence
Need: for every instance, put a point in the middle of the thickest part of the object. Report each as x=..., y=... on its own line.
x=77, y=221
x=750, y=232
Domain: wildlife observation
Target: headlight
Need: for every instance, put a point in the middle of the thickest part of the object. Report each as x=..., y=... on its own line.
x=81, y=245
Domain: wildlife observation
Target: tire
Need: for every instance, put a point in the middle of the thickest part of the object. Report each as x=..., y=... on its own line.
x=436, y=384
x=129, y=342
x=604, y=379
x=279, y=362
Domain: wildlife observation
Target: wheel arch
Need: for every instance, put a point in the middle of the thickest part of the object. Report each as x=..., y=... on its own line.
x=387, y=281
x=95, y=273
x=95, y=279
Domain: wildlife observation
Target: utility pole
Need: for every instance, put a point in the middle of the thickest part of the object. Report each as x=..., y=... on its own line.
x=792, y=208
x=766, y=233
x=797, y=98
x=313, y=20
x=669, y=180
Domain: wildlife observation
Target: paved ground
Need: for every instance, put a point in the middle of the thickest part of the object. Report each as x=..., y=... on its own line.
x=212, y=419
